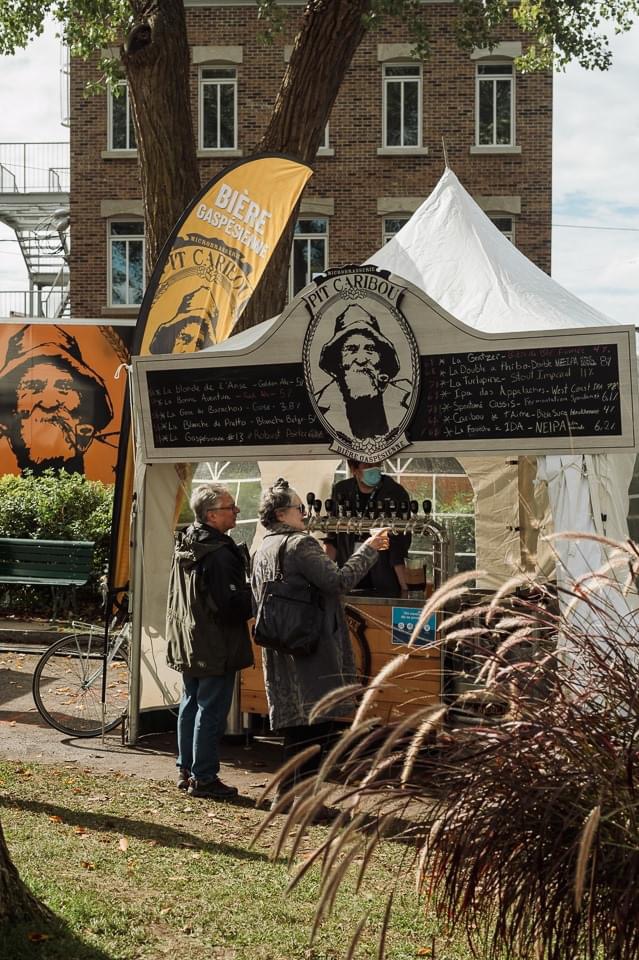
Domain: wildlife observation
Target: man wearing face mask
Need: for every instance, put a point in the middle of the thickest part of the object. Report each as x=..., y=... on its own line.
x=387, y=578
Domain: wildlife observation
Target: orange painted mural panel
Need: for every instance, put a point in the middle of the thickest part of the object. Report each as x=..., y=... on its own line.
x=60, y=404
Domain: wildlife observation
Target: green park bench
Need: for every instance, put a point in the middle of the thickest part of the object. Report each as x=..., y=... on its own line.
x=54, y=563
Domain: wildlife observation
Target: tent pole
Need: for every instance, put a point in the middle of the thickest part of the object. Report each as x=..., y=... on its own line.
x=445, y=153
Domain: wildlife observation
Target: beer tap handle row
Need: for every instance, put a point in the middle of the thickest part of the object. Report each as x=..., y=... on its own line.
x=354, y=515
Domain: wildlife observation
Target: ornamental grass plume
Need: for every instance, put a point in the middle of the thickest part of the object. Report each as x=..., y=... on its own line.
x=518, y=801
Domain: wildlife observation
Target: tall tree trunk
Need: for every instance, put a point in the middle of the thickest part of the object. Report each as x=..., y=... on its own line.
x=156, y=61
x=330, y=34
x=17, y=903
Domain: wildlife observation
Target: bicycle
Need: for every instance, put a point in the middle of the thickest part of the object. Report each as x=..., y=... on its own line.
x=68, y=680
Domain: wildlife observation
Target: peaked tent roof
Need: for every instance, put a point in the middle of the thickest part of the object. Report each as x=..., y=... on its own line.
x=450, y=249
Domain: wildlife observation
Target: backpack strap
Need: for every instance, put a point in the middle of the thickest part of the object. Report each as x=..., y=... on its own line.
x=279, y=568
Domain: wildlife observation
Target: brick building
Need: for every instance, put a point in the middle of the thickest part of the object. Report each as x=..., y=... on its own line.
x=381, y=157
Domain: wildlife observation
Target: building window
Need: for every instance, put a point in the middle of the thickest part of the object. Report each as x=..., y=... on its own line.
x=505, y=225
x=392, y=225
x=121, y=128
x=126, y=263
x=402, y=99
x=309, y=255
x=495, y=125
x=218, y=108
x=324, y=145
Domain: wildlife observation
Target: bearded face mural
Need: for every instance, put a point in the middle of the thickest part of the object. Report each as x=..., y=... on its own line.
x=55, y=407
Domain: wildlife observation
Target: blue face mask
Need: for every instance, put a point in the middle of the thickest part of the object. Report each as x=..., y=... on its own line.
x=371, y=476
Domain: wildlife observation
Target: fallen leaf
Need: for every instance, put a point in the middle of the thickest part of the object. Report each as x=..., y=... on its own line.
x=123, y=844
x=80, y=830
x=164, y=911
x=54, y=818
x=38, y=937
x=87, y=864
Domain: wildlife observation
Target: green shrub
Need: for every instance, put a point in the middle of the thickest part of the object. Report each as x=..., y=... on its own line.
x=55, y=506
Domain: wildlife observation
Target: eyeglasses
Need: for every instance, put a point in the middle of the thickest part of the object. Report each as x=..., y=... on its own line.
x=298, y=506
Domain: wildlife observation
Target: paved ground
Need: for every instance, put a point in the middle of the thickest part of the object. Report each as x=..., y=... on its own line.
x=24, y=736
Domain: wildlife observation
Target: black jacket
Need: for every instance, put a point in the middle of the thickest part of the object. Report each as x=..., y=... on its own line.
x=381, y=580
x=208, y=604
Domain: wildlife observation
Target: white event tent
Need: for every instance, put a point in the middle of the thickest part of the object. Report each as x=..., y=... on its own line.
x=452, y=250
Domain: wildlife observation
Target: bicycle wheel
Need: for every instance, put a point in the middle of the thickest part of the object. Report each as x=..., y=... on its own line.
x=67, y=686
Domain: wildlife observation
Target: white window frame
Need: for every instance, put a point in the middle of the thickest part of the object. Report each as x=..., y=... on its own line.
x=307, y=237
x=325, y=149
x=388, y=234
x=129, y=119
x=218, y=81
x=137, y=237
x=487, y=78
x=409, y=78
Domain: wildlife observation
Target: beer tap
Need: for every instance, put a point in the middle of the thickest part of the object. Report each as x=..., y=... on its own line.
x=391, y=514
x=414, y=510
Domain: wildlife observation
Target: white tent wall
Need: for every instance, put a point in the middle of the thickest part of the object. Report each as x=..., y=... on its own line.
x=159, y=686
x=496, y=491
x=588, y=494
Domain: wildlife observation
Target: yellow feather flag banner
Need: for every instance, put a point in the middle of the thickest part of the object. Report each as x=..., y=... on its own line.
x=203, y=280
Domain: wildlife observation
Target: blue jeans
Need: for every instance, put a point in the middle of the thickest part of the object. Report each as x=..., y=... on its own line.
x=201, y=722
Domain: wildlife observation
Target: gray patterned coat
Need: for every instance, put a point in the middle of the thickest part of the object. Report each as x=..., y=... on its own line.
x=294, y=685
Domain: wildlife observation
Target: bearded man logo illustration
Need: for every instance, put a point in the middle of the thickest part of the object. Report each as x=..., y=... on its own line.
x=363, y=365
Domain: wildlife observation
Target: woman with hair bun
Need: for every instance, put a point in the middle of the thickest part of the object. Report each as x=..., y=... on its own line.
x=294, y=685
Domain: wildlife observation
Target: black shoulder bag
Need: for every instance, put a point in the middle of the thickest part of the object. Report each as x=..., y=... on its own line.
x=288, y=619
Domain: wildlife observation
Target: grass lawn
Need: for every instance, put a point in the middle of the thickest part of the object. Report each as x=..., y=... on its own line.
x=136, y=869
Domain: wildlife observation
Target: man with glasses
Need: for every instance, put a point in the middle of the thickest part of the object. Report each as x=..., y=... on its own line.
x=209, y=604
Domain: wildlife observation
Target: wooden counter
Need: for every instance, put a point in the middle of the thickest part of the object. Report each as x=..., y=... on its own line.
x=370, y=621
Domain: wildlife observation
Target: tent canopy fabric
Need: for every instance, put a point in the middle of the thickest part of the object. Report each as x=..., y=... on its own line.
x=450, y=249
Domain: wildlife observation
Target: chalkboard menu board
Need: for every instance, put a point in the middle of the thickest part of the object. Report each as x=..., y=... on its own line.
x=567, y=391
x=231, y=407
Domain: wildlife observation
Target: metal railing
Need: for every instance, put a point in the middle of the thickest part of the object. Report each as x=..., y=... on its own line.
x=34, y=167
x=49, y=303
